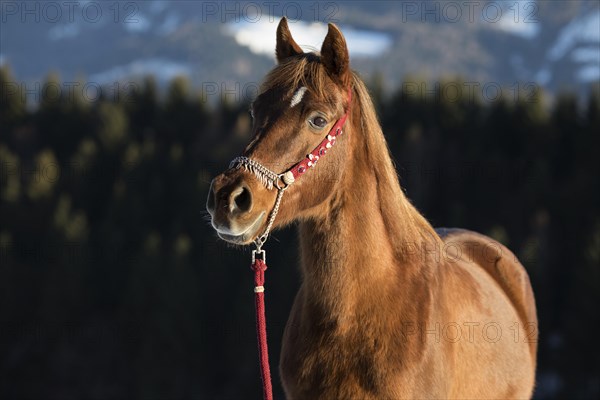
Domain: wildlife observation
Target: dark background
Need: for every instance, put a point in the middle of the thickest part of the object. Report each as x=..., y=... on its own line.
x=113, y=284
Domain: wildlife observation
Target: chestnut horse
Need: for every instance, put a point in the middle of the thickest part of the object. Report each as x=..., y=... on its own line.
x=388, y=308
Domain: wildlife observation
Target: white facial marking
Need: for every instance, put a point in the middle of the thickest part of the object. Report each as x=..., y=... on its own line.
x=297, y=98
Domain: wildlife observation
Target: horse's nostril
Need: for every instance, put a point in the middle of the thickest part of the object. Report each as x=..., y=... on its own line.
x=242, y=199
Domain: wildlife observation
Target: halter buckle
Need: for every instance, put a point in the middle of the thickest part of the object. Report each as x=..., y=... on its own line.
x=261, y=253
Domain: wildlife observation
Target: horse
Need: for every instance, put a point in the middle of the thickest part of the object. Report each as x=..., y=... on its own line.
x=388, y=306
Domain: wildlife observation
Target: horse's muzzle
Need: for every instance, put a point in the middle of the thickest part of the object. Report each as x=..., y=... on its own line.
x=230, y=204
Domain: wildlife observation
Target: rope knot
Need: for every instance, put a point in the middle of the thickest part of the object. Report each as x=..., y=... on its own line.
x=258, y=265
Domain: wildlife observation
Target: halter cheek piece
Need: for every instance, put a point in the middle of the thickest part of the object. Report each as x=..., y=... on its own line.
x=282, y=181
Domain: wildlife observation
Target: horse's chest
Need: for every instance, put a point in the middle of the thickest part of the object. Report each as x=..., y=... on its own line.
x=326, y=364
x=325, y=370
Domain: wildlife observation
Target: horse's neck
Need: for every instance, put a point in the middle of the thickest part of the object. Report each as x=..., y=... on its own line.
x=344, y=255
x=367, y=246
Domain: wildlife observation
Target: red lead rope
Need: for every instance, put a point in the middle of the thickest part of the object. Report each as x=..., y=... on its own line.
x=259, y=267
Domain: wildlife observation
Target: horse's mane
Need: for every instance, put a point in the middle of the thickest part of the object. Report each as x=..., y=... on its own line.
x=403, y=221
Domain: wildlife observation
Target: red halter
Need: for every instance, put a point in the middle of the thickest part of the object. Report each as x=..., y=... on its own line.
x=271, y=179
x=259, y=265
x=319, y=151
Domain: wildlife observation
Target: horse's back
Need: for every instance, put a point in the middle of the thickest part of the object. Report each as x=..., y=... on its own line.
x=472, y=252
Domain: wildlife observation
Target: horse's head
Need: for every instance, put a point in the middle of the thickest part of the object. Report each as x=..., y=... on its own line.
x=303, y=101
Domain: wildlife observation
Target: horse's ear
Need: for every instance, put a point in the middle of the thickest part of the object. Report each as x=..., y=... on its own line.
x=286, y=46
x=334, y=55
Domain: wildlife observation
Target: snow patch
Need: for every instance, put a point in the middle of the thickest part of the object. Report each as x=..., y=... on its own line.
x=60, y=32
x=137, y=23
x=584, y=29
x=518, y=18
x=588, y=74
x=164, y=70
x=259, y=37
x=586, y=55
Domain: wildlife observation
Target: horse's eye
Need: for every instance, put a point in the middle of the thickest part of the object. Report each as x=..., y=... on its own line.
x=318, y=122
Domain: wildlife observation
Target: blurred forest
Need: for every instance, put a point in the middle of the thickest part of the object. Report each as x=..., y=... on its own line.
x=113, y=284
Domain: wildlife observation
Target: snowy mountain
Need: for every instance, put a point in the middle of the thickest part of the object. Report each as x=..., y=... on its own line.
x=553, y=44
